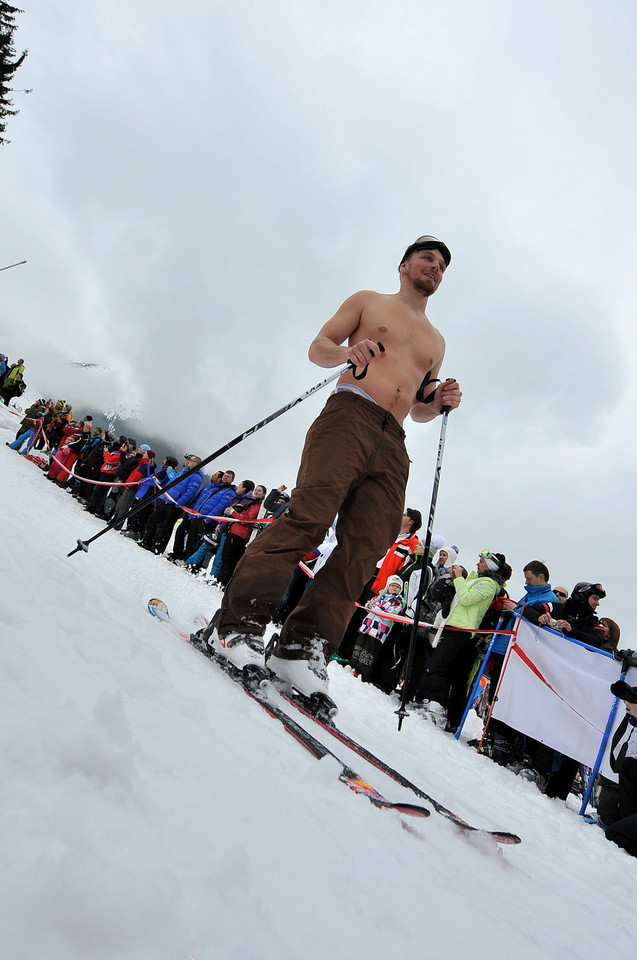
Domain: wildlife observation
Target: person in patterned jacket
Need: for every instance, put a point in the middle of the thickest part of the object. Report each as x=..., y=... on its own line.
x=375, y=628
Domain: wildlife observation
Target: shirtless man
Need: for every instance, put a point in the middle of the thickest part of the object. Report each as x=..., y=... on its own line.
x=354, y=464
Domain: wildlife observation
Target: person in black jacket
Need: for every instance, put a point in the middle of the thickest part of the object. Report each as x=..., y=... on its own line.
x=577, y=617
x=623, y=760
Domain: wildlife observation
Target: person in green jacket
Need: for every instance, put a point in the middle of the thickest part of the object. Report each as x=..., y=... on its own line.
x=445, y=682
x=11, y=375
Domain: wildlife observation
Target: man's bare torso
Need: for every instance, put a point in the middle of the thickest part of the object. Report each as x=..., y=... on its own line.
x=413, y=348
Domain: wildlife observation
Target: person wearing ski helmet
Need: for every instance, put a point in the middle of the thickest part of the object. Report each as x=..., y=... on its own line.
x=577, y=617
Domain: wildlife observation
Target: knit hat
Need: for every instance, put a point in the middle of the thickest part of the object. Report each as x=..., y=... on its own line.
x=395, y=580
x=494, y=561
x=437, y=542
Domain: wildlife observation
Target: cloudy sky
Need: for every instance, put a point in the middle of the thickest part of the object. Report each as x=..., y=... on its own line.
x=196, y=189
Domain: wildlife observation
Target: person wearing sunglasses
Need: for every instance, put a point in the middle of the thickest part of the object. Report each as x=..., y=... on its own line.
x=444, y=687
x=354, y=464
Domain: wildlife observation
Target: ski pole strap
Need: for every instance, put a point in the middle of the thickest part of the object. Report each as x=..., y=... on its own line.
x=420, y=393
x=363, y=373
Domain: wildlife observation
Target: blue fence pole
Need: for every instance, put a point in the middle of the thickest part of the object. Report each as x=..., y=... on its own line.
x=474, y=690
x=600, y=753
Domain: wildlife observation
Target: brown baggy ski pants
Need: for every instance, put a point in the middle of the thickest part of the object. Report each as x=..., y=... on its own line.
x=354, y=463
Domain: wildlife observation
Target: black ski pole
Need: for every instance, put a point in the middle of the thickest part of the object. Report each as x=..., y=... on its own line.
x=83, y=545
x=402, y=711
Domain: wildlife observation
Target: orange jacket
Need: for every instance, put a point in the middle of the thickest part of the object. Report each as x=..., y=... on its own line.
x=396, y=557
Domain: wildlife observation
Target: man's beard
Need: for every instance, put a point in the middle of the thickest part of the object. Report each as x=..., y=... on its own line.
x=425, y=285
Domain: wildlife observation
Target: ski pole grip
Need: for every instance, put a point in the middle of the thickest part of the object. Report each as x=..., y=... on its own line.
x=363, y=373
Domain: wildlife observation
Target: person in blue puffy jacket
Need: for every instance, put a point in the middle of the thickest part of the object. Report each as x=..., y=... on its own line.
x=147, y=489
x=159, y=526
x=215, y=533
x=211, y=501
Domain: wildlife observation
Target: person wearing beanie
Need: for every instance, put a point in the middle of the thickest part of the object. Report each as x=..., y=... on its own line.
x=399, y=555
x=445, y=682
x=437, y=543
x=375, y=629
x=391, y=659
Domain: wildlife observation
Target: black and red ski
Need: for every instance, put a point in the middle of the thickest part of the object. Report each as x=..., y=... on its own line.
x=250, y=683
x=159, y=609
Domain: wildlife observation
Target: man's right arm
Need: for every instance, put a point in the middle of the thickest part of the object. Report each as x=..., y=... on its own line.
x=328, y=349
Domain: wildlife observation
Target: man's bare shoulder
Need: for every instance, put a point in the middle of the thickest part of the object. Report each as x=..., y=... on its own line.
x=367, y=298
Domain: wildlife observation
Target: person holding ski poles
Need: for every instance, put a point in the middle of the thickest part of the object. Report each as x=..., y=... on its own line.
x=354, y=464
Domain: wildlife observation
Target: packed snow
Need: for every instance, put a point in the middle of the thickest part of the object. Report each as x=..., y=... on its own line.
x=151, y=811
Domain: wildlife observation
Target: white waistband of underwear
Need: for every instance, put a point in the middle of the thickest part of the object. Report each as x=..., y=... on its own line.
x=352, y=388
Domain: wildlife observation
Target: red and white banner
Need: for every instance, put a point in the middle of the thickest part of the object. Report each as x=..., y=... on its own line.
x=557, y=691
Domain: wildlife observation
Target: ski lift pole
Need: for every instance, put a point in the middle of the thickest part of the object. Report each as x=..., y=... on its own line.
x=402, y=711
x=83, y=545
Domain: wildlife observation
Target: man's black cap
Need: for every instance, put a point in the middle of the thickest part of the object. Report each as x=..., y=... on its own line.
x=624, y=691
x=428, y=243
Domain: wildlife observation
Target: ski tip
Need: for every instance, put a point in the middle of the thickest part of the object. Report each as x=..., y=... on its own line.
x=158, y=609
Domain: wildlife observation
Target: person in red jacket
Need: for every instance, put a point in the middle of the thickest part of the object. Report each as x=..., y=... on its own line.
x=143, y=467
x=239, y=533
x=114, y=455
x=400, y=551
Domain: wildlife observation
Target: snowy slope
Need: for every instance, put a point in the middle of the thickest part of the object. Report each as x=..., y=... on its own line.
x=150, y=810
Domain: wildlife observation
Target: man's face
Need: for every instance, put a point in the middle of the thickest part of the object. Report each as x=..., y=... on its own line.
x=534, y=579
x=227, y=477
x=593, y=602
x=405, y=526
x=424, y=269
